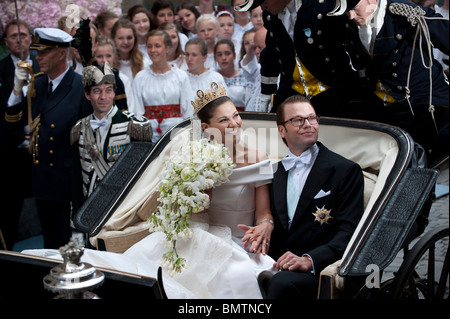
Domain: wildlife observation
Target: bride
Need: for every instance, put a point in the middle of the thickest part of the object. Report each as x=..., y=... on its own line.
x=225, y=254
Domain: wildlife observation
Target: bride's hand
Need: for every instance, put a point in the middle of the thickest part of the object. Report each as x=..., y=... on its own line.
x=257, y=237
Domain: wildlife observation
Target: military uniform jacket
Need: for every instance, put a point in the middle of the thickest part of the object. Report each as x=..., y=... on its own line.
x=334, y=185
x=96, y=154
x=329, y=47
x=10, y=138
x=392, y=51
x=51, y=176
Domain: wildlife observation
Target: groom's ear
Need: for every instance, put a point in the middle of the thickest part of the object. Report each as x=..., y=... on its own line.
x=282, y=131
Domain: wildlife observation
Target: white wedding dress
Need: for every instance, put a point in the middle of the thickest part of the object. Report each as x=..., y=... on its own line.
x=217, y=265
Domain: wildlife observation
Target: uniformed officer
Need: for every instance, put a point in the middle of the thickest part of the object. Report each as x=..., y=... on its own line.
x=15, y=162
x=400, y=37
x=101, y=137
x=318, y=56
x=54, y=106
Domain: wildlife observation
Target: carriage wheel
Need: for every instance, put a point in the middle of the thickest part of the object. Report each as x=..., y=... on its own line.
x=414, y=282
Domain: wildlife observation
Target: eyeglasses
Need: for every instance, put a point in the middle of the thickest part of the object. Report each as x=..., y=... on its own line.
x=299, y=121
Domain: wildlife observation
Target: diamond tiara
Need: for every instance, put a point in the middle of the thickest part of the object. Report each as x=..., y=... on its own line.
x=204, y=97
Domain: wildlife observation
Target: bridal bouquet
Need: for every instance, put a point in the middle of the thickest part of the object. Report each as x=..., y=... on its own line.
x=194, y=169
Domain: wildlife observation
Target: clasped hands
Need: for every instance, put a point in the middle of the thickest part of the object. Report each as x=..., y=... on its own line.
x=257, y=237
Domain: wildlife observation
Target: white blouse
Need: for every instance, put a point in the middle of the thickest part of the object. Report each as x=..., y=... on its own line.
x=160, y=90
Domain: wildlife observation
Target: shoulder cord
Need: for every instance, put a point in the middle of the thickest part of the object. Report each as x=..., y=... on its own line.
x=416, y=17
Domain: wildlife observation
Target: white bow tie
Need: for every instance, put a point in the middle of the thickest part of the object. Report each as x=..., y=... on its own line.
x=293, y=161
x=95, y=124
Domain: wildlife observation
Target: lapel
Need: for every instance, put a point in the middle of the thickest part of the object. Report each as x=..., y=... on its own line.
x=318, y=175
x=59, y=93
x=279, y=194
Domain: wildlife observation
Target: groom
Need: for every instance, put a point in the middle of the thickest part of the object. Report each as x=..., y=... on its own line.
x=317, y=202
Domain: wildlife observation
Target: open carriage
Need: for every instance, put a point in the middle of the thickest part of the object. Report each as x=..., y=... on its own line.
x=398, y=195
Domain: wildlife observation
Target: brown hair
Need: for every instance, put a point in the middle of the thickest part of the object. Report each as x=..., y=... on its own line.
x=13, y=23
x=201, y=43
x=166, y=37
x=290, y=100
x=207, y=112
x=139, y=9
x=243, y=52
x=137, y=58
x=227, y=42
x=102, y=17
x=171, y=26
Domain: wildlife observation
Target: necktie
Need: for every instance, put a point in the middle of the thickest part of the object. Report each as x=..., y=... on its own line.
x=95, y=124
x=50, y=88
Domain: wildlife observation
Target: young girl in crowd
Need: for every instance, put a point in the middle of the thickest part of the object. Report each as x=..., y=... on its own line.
x=242, y=21
x=240, y=89
x=106, y=52
x=176, y=56
x=200, y=77
x=104, y=23
x=164, y=12
x=256, y=18
x=207, y=28
x=226, y=31
x=141, y=19
x=188, y=15
x=226, y=25
x=247, y=45
x=131, y=59
x=162, y=92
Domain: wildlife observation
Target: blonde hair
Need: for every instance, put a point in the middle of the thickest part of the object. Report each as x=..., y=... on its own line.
x=207, y=18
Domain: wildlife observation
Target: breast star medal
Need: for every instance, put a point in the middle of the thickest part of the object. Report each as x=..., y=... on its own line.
x=322, y=215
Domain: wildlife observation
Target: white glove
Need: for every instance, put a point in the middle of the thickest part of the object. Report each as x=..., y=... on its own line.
x=20, y=78
x=266, y=100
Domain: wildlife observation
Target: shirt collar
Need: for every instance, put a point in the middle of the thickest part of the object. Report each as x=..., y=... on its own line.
x=58, y=79
x=15, y=59
x=106, y=117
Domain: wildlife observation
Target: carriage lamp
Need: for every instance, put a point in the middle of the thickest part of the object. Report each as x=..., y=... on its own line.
x=72, y=279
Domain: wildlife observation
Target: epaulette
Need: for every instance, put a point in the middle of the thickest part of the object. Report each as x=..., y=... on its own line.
x=140, y=128
x=412, y=14
x=75, y=133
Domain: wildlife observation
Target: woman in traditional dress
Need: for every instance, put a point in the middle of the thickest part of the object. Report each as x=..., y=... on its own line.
x=141, y=19
x=176, y=55
x=131, y=59
x=188, y=15
x=207, y=27
x=241, y=91
x=162, y=92
x=200, y=76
